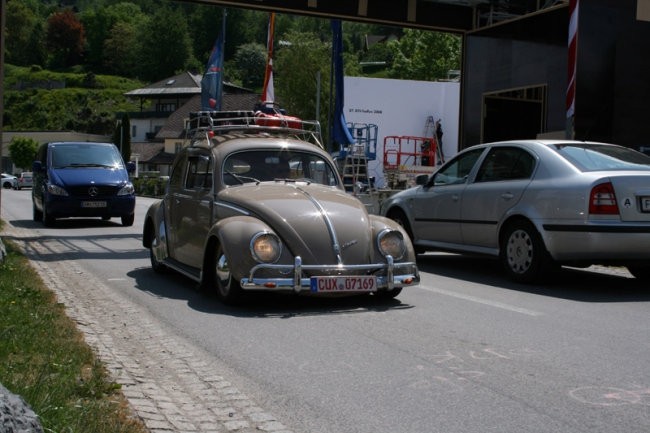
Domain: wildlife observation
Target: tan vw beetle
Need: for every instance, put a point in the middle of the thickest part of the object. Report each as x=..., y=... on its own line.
x=252, y=206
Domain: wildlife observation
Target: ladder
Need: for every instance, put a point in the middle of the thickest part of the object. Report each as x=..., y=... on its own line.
x=355, y=173
x=433, y=129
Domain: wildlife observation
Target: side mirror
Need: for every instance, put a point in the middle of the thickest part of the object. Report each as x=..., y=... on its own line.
x=130, y=167
x=421, y=179
x=37, y=167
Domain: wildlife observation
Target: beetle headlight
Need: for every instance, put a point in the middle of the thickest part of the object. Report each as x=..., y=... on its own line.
x=391, y=242
x=266, y=247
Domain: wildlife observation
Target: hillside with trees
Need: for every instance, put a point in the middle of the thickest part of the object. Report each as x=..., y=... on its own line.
x=68, y=63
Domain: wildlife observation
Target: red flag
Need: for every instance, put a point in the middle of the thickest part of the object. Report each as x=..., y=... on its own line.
x=268, y=93
x=572, y=58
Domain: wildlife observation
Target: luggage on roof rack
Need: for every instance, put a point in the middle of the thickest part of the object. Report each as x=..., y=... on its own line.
x=246, y=121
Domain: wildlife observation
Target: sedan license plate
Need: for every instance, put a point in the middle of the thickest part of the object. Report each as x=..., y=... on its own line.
x=343, y=284
x=93, y=204
x=645, y=204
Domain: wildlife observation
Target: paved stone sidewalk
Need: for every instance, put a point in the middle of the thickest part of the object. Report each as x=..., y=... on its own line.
x=170, y=385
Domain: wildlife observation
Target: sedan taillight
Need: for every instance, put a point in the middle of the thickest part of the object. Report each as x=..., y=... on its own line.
x=602, y=200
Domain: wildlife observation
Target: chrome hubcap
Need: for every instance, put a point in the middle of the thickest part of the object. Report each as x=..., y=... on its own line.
x=223, y=273
x=519, y=251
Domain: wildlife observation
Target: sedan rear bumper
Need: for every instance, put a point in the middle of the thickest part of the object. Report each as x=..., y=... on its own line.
x=598, y=242
x=390, y=275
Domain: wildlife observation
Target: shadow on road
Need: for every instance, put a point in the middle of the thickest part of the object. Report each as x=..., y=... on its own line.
x=594, y=284
x=261, y=305
x=68, y=223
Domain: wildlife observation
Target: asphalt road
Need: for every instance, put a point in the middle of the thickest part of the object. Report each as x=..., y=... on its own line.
x=466, y=352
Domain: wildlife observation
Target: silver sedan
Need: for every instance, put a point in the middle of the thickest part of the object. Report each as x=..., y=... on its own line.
x=535, y=204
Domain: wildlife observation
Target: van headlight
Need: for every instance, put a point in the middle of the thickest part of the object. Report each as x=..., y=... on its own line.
x=266, y=247
x=127, y=189
x=56, y=190
x=391, y=243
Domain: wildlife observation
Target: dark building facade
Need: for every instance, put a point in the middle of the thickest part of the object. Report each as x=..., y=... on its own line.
x=515, y=76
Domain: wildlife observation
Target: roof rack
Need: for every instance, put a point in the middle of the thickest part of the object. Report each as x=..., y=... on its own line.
x=201, y=123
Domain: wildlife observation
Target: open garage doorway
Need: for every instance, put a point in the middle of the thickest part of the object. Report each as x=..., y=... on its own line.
x=514, y=114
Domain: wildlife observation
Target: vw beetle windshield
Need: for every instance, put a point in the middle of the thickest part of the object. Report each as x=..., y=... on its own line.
x=277, y=165
x=598, y=157
x=85, y=155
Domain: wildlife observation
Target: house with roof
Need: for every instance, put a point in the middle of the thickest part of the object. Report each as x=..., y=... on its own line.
x=158, y=129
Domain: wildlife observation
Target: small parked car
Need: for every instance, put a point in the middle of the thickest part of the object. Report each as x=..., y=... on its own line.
x=535, y=204
x=81, y=179
x=256, y=206
x=24, y=181
x=9, y=180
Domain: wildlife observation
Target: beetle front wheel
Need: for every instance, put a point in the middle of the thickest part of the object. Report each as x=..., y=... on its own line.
x=228, y=289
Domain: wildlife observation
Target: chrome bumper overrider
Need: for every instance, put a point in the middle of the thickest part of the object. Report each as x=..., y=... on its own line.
x=393, y=275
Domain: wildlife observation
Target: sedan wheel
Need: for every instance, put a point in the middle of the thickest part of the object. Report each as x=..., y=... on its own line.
x=523, y=253
x=228, y=289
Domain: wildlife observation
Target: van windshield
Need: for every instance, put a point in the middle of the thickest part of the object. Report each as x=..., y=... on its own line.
x=86, y=155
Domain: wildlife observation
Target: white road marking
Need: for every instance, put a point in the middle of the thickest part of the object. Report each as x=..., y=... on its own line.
x=484, y=301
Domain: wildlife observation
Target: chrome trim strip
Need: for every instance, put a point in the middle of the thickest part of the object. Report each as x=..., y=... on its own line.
x=232, y=207
x=328, y=222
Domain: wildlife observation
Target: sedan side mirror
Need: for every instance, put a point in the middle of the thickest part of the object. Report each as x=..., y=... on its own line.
x=421, y=179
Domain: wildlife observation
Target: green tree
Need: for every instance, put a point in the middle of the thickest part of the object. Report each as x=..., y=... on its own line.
x=424, y=55
x=100, y=23
x=23, y=151
x=24, y=33
x=65, y=38
x=299, y=65
x=121, y=50
x=250, y=61
x=166, y=47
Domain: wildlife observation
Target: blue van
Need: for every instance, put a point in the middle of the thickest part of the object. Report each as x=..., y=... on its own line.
x=81, y=179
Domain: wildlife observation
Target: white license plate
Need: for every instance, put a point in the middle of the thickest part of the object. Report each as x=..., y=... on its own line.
x=93, y=204
x=645, y=204
x=343, y=284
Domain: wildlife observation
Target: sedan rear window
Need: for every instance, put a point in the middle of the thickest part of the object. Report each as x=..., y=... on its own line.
x=598, y=157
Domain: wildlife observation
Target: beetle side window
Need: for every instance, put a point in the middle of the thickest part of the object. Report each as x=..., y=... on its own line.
x=199, y=173
x=176, y=178
x=506, y=163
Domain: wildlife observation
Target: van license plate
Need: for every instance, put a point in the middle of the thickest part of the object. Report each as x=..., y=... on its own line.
x=645, y=204
x=93, y=204
x=343, y=284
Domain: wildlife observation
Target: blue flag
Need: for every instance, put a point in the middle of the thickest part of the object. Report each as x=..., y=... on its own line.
x=340, y=132
x=212, y=81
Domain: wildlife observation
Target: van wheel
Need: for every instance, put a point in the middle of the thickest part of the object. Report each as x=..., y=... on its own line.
x=127, y=220
x=37, y=214
x=48, y=221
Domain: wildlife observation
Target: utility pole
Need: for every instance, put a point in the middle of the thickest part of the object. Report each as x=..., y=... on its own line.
x=3, y=8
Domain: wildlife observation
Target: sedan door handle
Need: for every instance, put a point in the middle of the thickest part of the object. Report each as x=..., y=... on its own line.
x=507, y=196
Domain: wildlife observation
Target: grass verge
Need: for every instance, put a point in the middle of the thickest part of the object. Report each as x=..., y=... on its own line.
x=44, y=359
